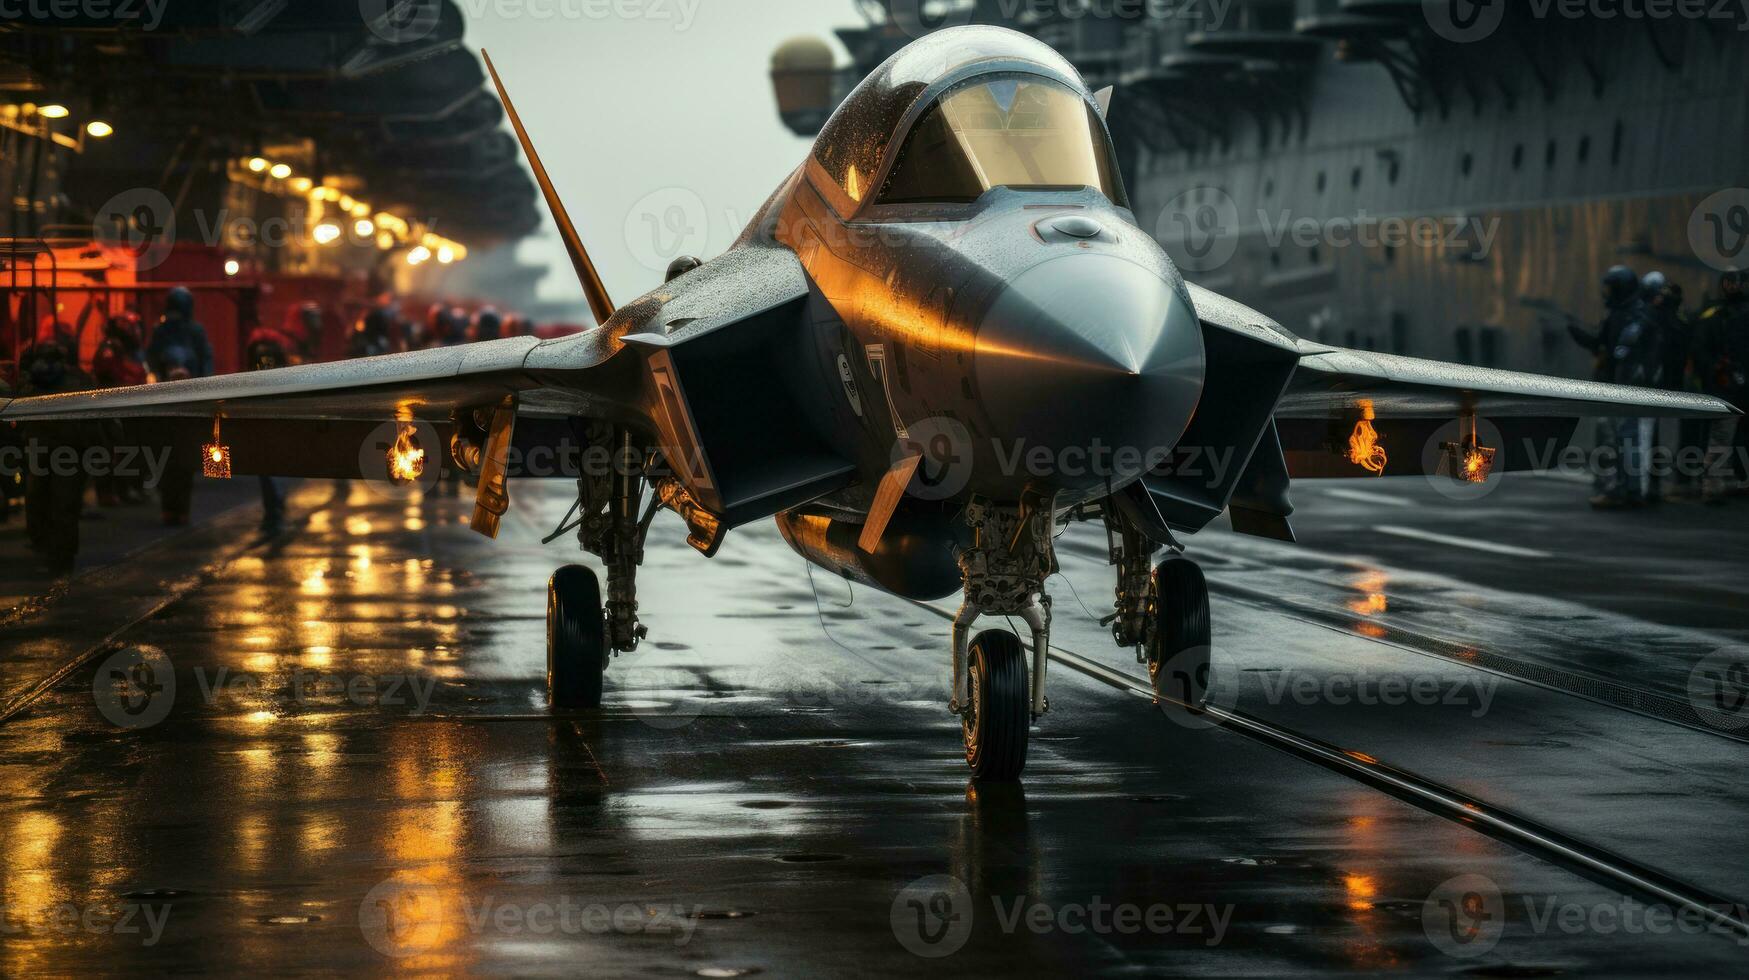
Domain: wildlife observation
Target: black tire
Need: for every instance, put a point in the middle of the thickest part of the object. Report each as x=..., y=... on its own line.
x=1178, y=657
x=577, y=652
x=998, y=713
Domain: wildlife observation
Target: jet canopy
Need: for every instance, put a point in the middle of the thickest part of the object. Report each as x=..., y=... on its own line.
x=958, y=112
x=1022, y=132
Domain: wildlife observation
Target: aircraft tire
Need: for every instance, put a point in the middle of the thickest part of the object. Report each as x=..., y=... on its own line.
x=999, y=712
x=576, y=639
x=1178, y=656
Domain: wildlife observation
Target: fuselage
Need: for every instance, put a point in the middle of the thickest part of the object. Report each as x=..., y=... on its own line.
x=1028, y=339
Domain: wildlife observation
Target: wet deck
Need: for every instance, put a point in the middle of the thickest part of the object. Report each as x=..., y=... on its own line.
x=354, y=770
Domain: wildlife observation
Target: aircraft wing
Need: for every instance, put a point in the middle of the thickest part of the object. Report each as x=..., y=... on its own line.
x=1332, y=383
x=1417, y=406
x=427, y=384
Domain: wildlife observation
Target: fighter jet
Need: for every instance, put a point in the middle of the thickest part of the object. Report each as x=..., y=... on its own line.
x=940, y=340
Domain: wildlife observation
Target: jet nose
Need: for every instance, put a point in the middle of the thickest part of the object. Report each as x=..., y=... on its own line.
x=1086, y=364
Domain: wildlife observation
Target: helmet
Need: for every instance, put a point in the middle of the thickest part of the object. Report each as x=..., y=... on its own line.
x=1655, y=282
x=1619, y=283
x=180, y=301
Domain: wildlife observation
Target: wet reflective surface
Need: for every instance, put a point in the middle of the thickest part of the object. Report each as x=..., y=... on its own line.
x=355, y=771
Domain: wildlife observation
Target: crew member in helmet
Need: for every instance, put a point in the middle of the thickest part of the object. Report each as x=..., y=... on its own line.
x=1623, y=310
x=179, y=349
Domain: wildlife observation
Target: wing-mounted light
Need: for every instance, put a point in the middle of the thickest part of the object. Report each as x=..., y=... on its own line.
x=215, y=456
x=1467, y=460
x=1365, y=449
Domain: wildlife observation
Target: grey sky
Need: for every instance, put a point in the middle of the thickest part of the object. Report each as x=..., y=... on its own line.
x=660, y=138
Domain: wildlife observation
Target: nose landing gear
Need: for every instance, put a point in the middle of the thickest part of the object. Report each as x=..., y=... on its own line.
x=1004, y=572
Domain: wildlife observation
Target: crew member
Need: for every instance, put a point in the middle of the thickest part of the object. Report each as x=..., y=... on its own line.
x=120, y=363
x=1722, y=362
x=54, y=486
x=179, y=349
x=1621, y=300
x=269, y=348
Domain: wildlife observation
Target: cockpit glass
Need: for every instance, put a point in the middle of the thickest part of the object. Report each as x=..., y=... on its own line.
x=1020, y=132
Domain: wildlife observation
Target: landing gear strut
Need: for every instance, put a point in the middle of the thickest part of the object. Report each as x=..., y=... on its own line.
x=582, y=632
x=1004, y=572
x=1163, y=614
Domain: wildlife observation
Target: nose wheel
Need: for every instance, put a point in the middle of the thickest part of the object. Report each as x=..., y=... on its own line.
x=1178, y=646
x=997, y=712
x=577, y=651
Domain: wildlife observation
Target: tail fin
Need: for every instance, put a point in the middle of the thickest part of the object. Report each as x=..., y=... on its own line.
x=599, y=302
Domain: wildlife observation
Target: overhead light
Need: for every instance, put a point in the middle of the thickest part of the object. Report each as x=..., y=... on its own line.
x=445, y=255
x=98, y=129
x=364, y=228
x=418, y=255
x=385, y=240
x=346, y=203
x=325, y=233
x=232, y=267
x=280, y=171
x=302, y=185
x=360, y=209
x=257, y=164
x=52, y=111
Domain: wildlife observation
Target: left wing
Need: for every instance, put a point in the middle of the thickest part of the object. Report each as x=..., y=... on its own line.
x=1332, y=382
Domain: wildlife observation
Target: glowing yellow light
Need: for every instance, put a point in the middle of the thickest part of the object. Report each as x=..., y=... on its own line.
x=360, y=209
x=326, y=233
x=364, y=228
x=418, y=255
x=257, y=164
x=280, y=171
x=215, y=462
x=98, y=129
x=302, y=185
x=406, y=456
x=52, y=111
x=446, y=255
x=232, y=267
x=385, y=240
x=1364, y=448
x=346, y=203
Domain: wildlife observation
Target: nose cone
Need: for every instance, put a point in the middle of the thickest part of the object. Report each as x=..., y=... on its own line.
x=1094, y=358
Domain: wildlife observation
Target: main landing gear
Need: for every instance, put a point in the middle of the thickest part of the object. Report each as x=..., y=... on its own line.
x=583, y=633
x=1163, y=613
